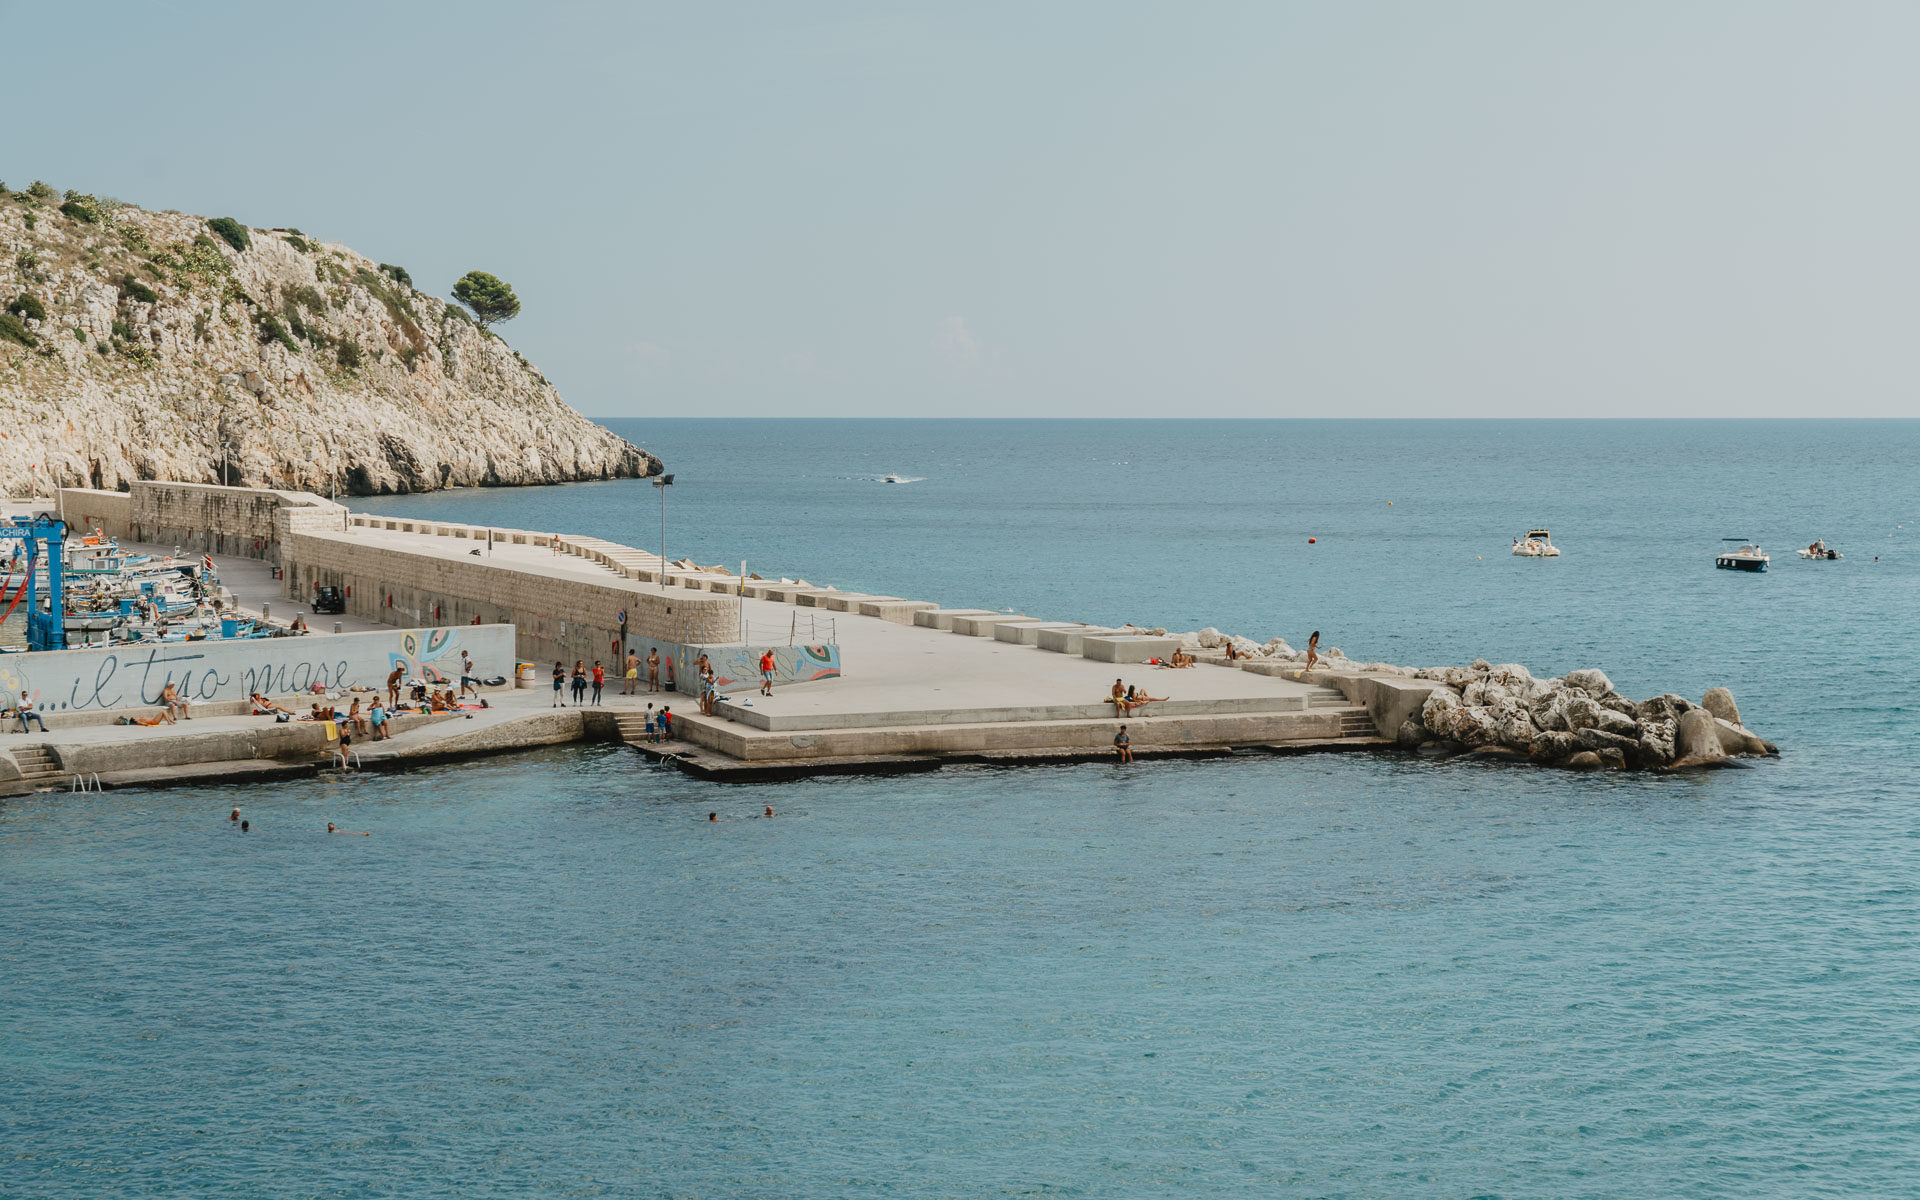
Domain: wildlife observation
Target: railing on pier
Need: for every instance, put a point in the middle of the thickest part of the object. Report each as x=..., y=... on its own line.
x=814, y=630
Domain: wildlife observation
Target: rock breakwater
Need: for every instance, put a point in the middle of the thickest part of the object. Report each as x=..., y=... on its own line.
x=1574, y=720
x=144, y=345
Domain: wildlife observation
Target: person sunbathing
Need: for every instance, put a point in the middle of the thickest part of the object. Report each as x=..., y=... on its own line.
x=1140, y=699
x=262, y=706
x=440, y=703
x=163, y=717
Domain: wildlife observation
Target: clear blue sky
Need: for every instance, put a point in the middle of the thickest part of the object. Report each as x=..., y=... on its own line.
x=1420, y=209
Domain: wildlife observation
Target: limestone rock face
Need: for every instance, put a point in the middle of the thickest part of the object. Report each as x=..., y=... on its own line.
x=317, y=369
x=1719, y=702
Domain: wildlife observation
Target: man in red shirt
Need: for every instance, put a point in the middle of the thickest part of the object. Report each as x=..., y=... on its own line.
x=766, y=672
x=599, y=681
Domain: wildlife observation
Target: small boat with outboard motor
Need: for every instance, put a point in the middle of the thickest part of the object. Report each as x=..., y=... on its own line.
x=1820, y=550
x=1537, y=544
x=1747, y=557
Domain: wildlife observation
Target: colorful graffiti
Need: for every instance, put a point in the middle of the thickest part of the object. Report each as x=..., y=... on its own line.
x=419, y=663
x=791, y=664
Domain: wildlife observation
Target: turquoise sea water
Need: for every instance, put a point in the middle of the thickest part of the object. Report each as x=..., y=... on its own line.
x=1336, y=976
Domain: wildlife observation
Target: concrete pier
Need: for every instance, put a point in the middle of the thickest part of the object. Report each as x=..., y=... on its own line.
x=865, y=682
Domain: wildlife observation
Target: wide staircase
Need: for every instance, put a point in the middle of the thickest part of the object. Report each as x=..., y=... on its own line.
x=38, y=770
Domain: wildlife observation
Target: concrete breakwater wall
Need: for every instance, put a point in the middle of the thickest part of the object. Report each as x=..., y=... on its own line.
x=132, y=676
x=245, y=522
x=556, y=617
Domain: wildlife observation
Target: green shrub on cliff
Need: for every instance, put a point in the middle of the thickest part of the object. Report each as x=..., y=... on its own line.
x=28, y=306
x=399, y=274
x=232, y=232
x=271, y=330
x=82, y=208
x=139, y=291
x=11, y=330
x=40, y=189
x=347, y=353
x=490, y=297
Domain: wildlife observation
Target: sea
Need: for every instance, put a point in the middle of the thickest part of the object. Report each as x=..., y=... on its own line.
x=1363, y=975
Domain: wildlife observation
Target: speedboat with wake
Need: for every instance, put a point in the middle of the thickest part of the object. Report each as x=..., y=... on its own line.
x=1748, y=557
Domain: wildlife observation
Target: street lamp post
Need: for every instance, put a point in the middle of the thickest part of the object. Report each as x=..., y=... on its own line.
x=663, y=483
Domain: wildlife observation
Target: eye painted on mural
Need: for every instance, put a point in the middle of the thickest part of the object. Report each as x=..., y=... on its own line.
x=437, y=641
x=410, y=645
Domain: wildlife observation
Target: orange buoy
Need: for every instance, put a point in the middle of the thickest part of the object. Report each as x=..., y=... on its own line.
x=1311, y=541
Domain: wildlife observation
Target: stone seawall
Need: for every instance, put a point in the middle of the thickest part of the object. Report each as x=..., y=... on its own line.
x=556, y=617
x=245, y=522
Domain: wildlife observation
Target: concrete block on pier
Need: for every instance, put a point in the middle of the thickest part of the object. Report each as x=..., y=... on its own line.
x=1067, y=641
x=1027, y=633
x=984, y=626
x=942, y=618
x=760, y=589
x=790, y=594
x=1120, y=648
x=847, y=602
x=900, y=612
x=815, y=599
x=1269, y=666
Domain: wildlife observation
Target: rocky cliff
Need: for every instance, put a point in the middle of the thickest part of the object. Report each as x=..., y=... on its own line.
x=144, y=345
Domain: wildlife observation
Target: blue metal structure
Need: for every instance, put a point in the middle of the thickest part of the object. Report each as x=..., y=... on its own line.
x=45, y=630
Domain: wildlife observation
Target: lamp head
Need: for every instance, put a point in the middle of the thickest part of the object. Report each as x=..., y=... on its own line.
x=664, y=481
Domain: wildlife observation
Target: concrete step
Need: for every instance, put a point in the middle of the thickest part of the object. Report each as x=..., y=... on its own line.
x=783, y=722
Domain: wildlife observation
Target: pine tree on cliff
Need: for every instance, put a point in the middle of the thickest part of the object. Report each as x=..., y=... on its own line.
x=490, y=297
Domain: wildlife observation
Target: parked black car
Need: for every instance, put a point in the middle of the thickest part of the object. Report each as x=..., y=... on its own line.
x=328, y=599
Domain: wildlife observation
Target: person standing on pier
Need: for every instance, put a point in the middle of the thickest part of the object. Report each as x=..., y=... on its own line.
x=1313, y=649
x=393, y=686
x=467, y=682
x=766, y=672
x=559, y=681
x=579, y=682
x=599, y=681
x=653, y=669
x=632, y=674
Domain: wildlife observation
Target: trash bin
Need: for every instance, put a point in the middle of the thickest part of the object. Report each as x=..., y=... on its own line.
x=523, y=675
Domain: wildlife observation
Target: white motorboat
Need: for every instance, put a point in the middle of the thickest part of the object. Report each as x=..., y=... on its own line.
x=1820, y=550
x=1537, y=544
x=891, y=479
x=1748, y=557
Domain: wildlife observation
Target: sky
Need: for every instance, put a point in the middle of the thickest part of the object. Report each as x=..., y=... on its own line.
x=1063, y=209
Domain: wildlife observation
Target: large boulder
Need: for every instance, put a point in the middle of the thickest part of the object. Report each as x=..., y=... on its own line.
x=1656, y=743
x=1662, y=708
x=1517, y=730
x=1590, y=681
x=1411, y=735
x=1615, y=722
x=1211, y=638
x=1582, y=712
x=1477, y=727
x=1696, y=740
x=1599, y=740
x=1615, y=702
x=1586, y=760
x=1441, y=709
x=1549, y=708
x=1552, y=746
x=1719, y=702
x=1511, y=676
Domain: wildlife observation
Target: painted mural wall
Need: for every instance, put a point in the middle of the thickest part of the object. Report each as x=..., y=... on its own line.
x=739, y=665
x=133, y=676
